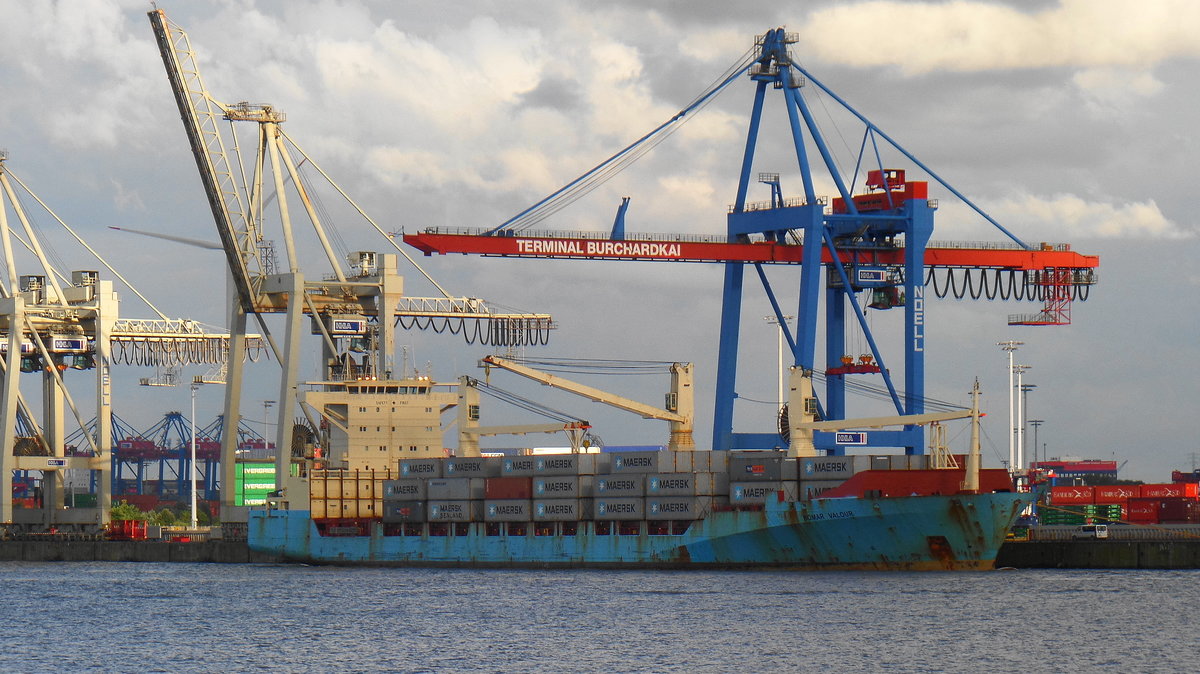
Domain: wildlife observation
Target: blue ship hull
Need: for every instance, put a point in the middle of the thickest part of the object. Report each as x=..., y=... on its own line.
x=960, y=532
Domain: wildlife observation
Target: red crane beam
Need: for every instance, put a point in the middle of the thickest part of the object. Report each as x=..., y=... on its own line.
x=690, y=248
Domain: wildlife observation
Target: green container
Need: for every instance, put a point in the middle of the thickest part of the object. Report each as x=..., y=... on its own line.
x=252, y=483
x=81, y=500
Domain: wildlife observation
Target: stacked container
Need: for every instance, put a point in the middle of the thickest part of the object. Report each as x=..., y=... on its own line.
x=755, y=477
x=654, y=486
x=562, y=487
x=347, y=494
x=1174, y=503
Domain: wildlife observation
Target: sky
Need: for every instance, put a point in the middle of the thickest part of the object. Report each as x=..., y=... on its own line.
x=1066, y=121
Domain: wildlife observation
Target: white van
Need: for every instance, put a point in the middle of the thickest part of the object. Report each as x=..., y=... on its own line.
x=1092, y=531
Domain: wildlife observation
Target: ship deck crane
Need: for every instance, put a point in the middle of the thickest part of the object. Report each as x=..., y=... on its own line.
x=679, y=411
x=575, y=430
x=879, y=241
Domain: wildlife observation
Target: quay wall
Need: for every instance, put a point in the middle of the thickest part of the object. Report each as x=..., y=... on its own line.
x=1100, y=554
x=221, y=552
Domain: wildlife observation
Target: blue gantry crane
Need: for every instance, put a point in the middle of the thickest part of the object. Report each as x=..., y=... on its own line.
x=875, y=243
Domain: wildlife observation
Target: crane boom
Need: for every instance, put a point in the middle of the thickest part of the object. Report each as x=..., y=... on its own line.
x=196, y=108
x=681, y=417
x=693, y=248
x=523, y=429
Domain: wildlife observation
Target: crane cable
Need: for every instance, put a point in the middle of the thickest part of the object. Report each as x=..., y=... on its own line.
x=523, y=402
x=604, y=171
x=991, y=284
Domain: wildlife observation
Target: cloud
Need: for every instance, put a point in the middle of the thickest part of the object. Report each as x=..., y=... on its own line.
x=126, y=199
x=967, y=36
x=1116, y=89
x=1068, y=215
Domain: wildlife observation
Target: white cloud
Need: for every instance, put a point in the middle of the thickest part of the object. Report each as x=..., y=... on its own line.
x=967, y=36
x=1068, y=215
x=1116, y=88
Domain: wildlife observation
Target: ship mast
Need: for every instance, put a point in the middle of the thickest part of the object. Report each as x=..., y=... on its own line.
x=971, y=483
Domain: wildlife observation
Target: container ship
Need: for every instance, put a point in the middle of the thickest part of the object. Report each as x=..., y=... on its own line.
x=369, y=501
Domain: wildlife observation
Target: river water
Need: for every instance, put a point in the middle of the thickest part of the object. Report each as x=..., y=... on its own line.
x=251, y=618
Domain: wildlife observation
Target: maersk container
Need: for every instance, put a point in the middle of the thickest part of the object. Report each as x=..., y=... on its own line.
x=687, y=484
x=421, y=467
x=395, y=512
x=678, y=507
x=833, y=467
x=767, y=466
x=633, y=484
x=455, y=488
x=882, y=462
x=718, y=461
x=563, y=486
x=811, y=489
x=507, y=510
x=639, y=462
x=565, y=464
x=407, y=489
x=561, y=509
x=474, y=466
x=754, y=493
x=518, y=466
x=508, y=487
x=619, y=508
x=454, y=511
x=685, y=462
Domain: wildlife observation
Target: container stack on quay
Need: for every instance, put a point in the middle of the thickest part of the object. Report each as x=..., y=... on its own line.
x=1173, y=503
x=542, y=494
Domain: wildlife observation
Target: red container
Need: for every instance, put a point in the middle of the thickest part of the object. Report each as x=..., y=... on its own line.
x=127, y=530
x=508, y=487
x=1117, y=493
x=1172, y=490
x=1178, y=510
x=1142, y=510
x=143, y=502
x=1072, y=495
x=896, y=483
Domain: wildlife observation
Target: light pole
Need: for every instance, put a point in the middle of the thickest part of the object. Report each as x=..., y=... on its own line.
x=266, y=416
x=774, y=320
x=1025, y=389
x=192, y=429
x=1035, y=423
x=1019, y=426
x=1010, y=346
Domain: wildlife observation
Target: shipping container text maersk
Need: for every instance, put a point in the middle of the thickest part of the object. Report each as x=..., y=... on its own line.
x=598, y=248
